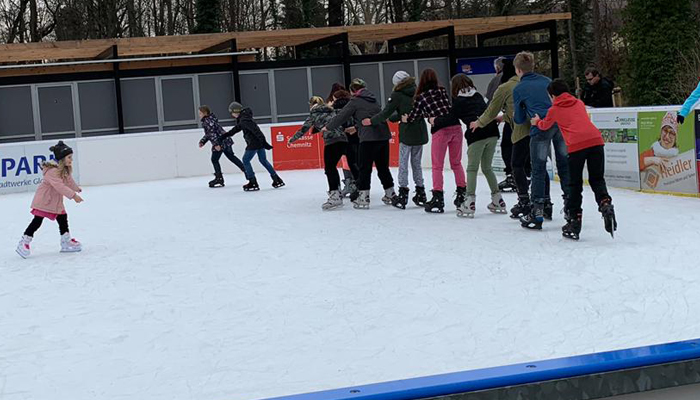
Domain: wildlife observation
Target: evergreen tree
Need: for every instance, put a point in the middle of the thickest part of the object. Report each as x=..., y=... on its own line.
x=659, y=34
x=207, y=16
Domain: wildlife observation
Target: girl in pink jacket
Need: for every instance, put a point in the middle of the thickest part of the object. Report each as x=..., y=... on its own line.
x=48, y=200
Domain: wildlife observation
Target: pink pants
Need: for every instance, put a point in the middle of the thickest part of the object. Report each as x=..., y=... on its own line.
x=445, y=139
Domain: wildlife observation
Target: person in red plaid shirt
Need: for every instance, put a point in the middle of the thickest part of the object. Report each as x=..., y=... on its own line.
x=432, y=101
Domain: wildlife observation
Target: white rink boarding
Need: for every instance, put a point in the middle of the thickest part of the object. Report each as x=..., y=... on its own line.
x=185, y=292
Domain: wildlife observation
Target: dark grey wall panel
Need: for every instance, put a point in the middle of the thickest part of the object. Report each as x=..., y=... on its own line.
x=292, y=91
x=291, y=119
x=216, y=91
x=323, y=78
x=440, y=66
x=16, y=116
x=139, y=102
x=98, y=105
x=370, y=74
x=56, y=108
x=255, y=93
x=178, y=100
x=390, y=69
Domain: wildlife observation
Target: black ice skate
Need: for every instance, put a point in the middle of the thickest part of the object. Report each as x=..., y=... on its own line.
x=437, y=203
x=460, y=195
x=277, y=182
x=251, y=186
x=507, y=185
x=534, y=219
x=522, y=208
x=400, y=200
x=218, y=181
x=572, y=229
x=607, y=210
x=420, y=198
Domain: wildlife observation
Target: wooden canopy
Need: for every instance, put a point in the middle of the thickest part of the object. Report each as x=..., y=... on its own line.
x=191, y=44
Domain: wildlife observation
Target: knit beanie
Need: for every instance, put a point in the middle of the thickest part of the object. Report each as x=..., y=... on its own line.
x=670, y=121
x=61, y=150
x=399, y=76
x=235, y=107
x=357, y=84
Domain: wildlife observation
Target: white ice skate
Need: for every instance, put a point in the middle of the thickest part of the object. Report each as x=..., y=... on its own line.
x=23, y=247
x=362, y=201
x=467, y=208
x=335, y=200
x=70, y=245
x=497, y=206
x=388, y=195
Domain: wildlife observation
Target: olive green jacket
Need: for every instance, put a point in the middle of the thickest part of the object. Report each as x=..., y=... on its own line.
x=503, y=101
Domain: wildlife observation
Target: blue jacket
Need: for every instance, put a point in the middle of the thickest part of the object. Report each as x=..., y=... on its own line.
x=691, y=102
x=530, y=97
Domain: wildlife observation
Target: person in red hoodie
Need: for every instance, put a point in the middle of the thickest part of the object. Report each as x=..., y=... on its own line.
x=585, y=146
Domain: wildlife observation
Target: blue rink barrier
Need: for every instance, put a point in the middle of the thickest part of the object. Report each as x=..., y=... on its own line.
x=523, y=374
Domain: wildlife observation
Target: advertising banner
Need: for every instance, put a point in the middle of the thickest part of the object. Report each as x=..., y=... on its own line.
x=667, y=159
x=20, y=165
x=305, y=153
x=394, y=145
x=621, y=148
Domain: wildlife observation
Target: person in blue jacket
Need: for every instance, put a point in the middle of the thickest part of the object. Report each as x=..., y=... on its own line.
x=690, y=103
x=530, y=98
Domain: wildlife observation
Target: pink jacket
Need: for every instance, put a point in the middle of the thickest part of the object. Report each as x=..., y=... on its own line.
x=49, y=195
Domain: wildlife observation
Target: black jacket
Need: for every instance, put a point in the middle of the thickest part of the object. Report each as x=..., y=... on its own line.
x=468, y=109
x=252, y=134
x=364, y=105
x=600, y=94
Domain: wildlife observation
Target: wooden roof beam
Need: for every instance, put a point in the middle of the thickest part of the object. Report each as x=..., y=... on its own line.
x=110, y=52
x=227, y=45
x=513, y=31
x=448, y=30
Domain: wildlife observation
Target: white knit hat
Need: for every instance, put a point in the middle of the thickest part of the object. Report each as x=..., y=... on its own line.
x=399, y=76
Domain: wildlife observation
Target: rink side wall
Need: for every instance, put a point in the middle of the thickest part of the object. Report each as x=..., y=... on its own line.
x=114, y=159
x=661, y=372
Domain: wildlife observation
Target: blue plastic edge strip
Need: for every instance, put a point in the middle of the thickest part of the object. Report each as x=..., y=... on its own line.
x=516, y=374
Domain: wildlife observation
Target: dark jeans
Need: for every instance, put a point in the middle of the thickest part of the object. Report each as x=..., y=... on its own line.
x=540, y=146
x=36, y=224
x=594, y=158
x=331, y=156
x=228, y=152
x=262, y=157
x=507, y=148
x=352, y=156
x=520, y=162
x=376, y=153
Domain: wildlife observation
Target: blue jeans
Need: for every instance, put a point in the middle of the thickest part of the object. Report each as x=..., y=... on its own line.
x=540, y=145
x=262, y=157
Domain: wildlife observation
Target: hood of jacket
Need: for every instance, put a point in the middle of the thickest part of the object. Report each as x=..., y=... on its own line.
x=367, y=96
x=407, y=86
x=246, y=113
x=565, y=100
x=340, y=103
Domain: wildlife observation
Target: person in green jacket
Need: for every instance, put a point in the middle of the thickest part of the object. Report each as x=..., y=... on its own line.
x=412, y=137
x=503, y=102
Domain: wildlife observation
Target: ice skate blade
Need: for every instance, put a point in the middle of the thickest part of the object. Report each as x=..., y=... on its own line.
x=400, y=206
x=215, y=186
x=438, y=211
x=358, y=207
x=251, y=190
x=571, y=236
x=331, y=208
x=71, y=251
x=532, y=228
x=20, y=254
x=498, y=211
x=465, y=215
x=278, y=186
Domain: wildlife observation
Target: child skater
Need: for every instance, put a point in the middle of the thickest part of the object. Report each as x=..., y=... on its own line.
x=256, y=145
x=335, y=146
x=214, y=133
x=48, y=200
x=586, y=146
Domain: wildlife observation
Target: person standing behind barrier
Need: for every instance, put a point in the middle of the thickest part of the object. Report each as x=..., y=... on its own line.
x=374, y=143
x=431, y=101
x=689, y=105
x=520, y=157
x=412, y=137
x=530, y=98
x=220, y=145
x=335, y=144
x=256, y=144
x=351, y=171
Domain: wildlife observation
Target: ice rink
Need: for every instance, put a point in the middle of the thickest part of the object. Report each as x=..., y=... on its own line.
x=185, y=292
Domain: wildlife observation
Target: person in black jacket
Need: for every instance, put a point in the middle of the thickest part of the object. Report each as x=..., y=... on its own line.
x=468, y=105
x=598, y=90
x=220, y=145
x=256, y=145
x=340, y=98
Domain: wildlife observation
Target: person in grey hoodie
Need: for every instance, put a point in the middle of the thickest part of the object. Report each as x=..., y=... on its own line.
x=374, y=143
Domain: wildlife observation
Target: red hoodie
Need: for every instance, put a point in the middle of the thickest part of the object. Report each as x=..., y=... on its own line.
x=570, y=114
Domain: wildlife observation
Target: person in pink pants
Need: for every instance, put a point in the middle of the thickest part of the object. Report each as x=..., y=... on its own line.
x=432, y=101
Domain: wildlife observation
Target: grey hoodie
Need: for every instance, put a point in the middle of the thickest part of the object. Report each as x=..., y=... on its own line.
x=361, y=106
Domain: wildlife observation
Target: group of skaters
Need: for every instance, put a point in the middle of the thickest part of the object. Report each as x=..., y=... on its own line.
x=537, y=111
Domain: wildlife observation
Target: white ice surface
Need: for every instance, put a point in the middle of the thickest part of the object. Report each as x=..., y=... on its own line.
x=184, y=292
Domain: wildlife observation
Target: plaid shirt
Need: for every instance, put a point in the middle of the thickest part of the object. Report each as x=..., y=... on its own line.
x=433, y=103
